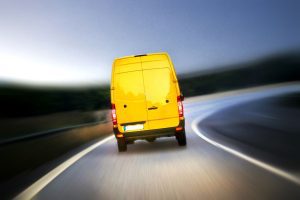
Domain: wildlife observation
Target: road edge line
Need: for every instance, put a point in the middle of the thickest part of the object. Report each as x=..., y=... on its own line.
x=38, y=185
x=259, y=163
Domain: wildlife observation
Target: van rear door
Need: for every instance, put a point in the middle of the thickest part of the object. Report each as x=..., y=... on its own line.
x=161, y=96
x=130, y=96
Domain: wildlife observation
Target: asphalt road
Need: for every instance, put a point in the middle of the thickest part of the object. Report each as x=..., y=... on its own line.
x=204, y=169
x=266, y=128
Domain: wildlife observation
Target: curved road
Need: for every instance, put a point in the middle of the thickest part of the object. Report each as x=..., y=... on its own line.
x=163, y=170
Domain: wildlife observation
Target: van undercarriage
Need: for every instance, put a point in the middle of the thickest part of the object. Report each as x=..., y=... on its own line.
x=150, y=135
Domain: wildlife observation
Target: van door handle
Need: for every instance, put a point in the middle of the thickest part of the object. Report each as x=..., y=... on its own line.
x=152, y=108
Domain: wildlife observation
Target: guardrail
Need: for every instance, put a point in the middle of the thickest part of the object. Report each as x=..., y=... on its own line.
x=31, y=151
x=47, y=132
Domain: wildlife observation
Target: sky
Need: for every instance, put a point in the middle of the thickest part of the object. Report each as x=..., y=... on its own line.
x=58, y=42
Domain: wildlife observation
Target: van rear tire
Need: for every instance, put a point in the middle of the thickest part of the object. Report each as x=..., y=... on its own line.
x=151, y=139
x=122, y=146
x=181, y=138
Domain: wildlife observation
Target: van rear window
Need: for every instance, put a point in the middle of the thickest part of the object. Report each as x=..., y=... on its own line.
x=129, y=85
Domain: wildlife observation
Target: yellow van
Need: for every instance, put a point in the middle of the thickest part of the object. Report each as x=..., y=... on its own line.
x=146, y=99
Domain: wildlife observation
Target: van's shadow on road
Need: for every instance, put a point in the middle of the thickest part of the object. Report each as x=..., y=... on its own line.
x=158, y=146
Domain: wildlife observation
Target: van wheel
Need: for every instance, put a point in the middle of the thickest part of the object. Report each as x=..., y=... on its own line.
x=181, y=139
x=151, y=139
x=130, y=142
x=122, y=146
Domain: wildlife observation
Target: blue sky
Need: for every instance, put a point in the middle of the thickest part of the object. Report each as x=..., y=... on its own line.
x=75, y=42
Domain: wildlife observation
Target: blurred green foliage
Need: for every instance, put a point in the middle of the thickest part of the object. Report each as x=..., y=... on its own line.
x=273, y=69
x=20, y=101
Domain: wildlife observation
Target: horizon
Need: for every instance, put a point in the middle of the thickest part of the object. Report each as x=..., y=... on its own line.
x=217, y=69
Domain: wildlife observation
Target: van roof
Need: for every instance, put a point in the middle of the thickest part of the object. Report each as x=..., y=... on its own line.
x=141, y=58
x=139, y=55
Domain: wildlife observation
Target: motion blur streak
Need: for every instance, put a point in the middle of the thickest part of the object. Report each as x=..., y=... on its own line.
x=30, y=192
x=254, y=161
x=163, y=170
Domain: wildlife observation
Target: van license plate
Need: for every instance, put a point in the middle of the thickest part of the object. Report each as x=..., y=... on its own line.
x=133, y=127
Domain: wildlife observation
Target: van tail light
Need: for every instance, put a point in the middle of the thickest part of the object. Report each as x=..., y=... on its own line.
x=180, y=106
x=113, y=114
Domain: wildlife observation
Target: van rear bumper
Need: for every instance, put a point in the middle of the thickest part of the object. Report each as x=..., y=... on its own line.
x=155, y=133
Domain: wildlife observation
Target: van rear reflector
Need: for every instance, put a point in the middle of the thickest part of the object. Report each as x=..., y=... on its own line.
x=179, y=128
x=120, y=135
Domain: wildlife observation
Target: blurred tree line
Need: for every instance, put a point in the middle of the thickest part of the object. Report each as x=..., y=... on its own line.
x=20, y=101
x=273, y=69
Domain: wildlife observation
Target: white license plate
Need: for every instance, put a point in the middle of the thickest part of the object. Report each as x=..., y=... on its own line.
x=134, y=127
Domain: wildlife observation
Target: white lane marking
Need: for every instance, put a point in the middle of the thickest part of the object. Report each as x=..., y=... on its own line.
x=250, y=159
x=37, y=186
